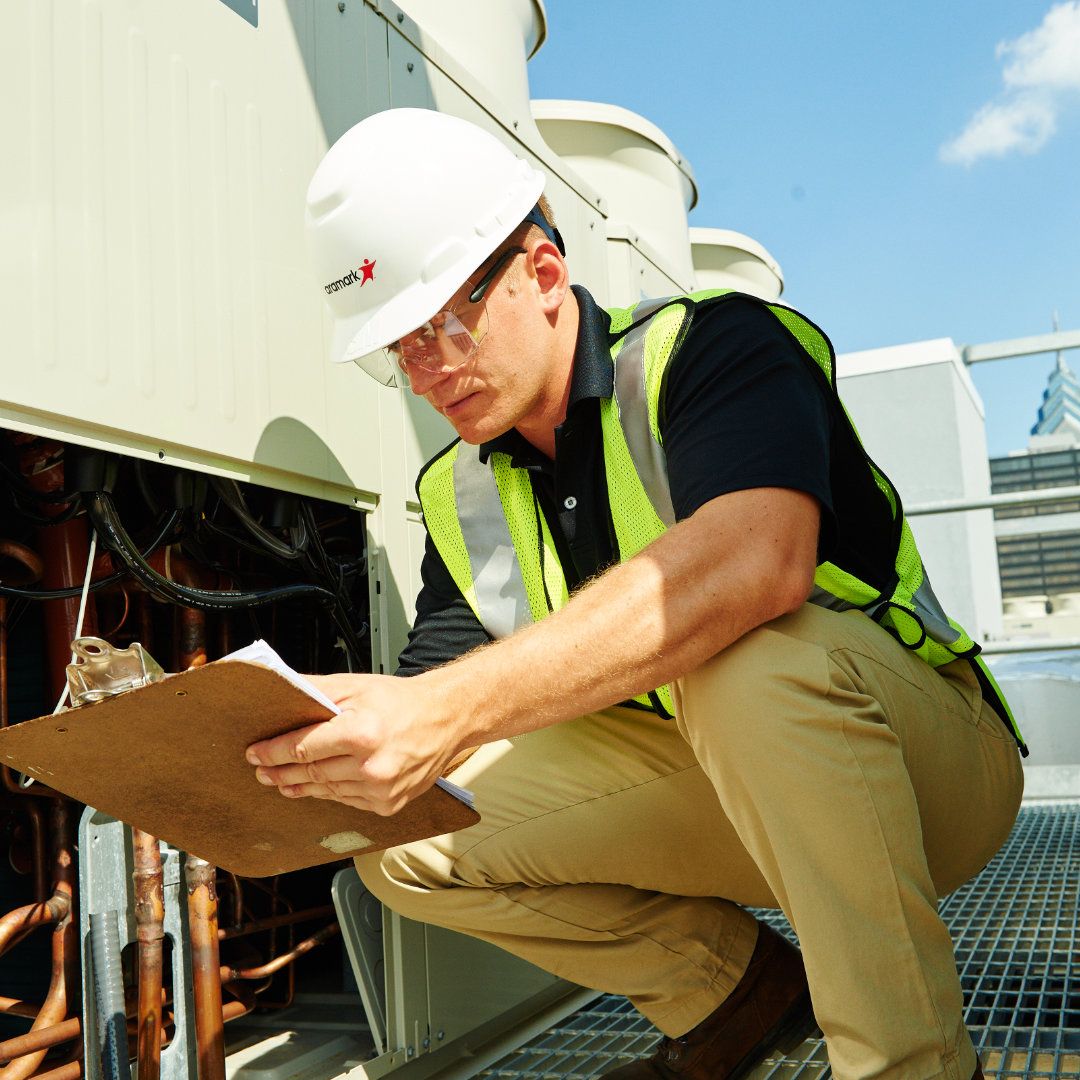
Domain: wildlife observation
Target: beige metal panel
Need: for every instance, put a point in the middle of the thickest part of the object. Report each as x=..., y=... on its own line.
x=724, y=259
x=470, y=981
x=635, y=274
x=492, y=39
x=154, y=260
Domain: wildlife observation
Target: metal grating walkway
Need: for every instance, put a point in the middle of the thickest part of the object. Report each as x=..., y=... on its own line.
x=1015, y=932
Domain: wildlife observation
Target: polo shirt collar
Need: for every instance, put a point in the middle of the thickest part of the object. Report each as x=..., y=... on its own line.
x=593, y=375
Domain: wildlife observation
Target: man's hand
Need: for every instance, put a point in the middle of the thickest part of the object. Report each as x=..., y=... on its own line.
x=388, y=745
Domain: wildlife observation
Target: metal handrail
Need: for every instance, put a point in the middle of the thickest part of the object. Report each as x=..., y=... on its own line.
x=1022, y=645
x=987, y=502
x=1035, y=345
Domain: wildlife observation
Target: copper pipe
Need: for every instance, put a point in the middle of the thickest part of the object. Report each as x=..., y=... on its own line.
x=38, y=858
x=244, y=1003
x=205, y=967
x=231, y=1010
x=237, y=899
x=71, y=1071
x=150, y=921
x=64, y=943
x=16, y=924
x=275, y=921
x=15, y=1007
x=190, y=622
x=170, y=564
x=275, y=965
x=33, y=811
x=146, y=621
x=191, y=638
x=39, y=1039
x=64, y=550
x=27, y=568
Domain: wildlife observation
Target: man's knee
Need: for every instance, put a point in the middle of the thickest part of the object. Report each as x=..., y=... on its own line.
x=405, y=878
x=754, y=688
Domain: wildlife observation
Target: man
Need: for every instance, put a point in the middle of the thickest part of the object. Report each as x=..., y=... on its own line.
x=671, y=585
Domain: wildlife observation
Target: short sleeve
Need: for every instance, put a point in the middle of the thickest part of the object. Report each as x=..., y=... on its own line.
x=445, y=626
x=741, y=407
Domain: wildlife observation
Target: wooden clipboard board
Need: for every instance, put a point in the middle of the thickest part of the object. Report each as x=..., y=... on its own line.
x=169, y=759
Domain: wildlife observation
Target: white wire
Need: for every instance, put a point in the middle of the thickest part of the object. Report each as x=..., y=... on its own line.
x=24, y=780
x=82, y=611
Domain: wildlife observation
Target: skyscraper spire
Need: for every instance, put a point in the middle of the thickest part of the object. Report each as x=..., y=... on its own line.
x=1059, y=414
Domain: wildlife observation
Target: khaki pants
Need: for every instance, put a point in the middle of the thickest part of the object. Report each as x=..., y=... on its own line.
x=815, y=765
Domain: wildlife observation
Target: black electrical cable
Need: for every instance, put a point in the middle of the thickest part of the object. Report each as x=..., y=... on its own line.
x=344, y=612
x=230, y=494
x=142, y=482
x=45, y=520
x=168, y=526
x=234, y=539
x=113, y=535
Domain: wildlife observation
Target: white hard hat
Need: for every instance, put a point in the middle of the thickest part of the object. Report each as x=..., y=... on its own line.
x=401, y=210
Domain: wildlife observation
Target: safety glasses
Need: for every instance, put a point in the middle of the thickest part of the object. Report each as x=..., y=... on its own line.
x=450, y=337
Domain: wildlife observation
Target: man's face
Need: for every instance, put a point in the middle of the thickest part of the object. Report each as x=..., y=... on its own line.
x=504, y=382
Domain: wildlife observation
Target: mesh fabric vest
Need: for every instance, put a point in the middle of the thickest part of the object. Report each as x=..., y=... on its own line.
x=487, y=524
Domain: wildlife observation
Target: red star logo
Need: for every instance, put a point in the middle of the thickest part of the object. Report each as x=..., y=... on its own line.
x=366, y=270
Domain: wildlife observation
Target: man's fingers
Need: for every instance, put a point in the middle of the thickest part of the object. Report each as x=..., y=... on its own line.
x=351, y=793
x=326, y=771
x=340, y=790
x=315, y=743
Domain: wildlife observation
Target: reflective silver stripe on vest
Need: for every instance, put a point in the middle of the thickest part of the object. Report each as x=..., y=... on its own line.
x=649, y=307
x=647, y=454
x=935, y=621
x=501, y=601
x=823, y=598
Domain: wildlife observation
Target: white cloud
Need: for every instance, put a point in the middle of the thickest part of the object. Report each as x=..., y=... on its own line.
x=1022, y=123
x=1041, y=73
x=1048, y=56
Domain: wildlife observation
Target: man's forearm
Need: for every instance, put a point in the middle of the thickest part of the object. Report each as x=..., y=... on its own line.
x=740, y=561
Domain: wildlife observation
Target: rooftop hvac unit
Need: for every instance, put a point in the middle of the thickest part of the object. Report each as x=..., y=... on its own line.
x=491, y=39
x=724, y=259
x=648, y=185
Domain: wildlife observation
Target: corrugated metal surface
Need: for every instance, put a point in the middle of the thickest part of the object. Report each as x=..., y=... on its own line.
x=1015, y=931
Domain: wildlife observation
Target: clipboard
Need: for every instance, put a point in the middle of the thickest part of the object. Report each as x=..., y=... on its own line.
x=168, y=758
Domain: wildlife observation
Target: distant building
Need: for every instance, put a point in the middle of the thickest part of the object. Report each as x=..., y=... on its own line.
x=1039, y=546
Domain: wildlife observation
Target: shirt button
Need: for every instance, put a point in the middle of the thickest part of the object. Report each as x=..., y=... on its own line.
x=569, y=502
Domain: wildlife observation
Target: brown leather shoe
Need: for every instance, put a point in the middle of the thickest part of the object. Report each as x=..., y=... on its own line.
x=978, y=1073
x=770, y=1004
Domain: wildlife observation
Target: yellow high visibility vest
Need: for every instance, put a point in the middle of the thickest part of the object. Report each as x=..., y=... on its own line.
x=487, y=525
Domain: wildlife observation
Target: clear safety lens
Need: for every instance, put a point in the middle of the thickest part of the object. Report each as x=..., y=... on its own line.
x=442, y=344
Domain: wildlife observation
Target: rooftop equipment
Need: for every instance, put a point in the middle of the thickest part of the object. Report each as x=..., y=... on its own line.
x=648, y=184
x=725, y=259
x=491, y=39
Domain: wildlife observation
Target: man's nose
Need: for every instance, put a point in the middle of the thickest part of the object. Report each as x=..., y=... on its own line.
x=421, y=380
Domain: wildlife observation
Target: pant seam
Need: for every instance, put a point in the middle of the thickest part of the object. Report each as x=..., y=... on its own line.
x=946, y=1054
x=621, y=937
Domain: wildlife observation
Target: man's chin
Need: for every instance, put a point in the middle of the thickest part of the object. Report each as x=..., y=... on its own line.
x=476, y=432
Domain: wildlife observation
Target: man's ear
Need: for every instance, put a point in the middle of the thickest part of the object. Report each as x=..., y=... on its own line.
x=552, y=276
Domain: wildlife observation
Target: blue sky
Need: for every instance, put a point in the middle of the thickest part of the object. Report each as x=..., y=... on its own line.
x=914, y=168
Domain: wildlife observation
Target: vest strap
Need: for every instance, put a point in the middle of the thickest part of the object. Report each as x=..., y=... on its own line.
x=501, y=599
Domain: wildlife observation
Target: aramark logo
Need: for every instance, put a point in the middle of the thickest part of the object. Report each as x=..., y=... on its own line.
x=364, y=273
